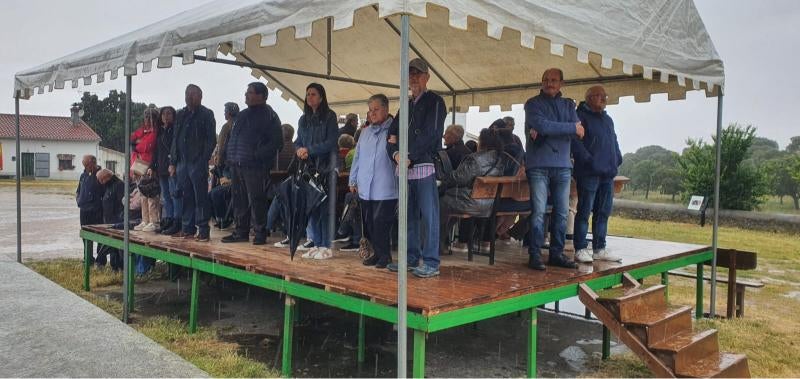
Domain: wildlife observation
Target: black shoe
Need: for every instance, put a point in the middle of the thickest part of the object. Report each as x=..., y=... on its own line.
x=569, y=237
x=235, y=238
x=174, y=228
x=383, y=264
x=165, y=224
x=350, y=247
x=535, y=263
x=371, y=261
x=260, y=239
x=561, y=261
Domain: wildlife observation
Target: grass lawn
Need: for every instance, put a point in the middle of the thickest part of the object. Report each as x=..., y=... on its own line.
x=769, y=332
x=43, y=185
x=771, y=205
x=768, y=335
x=203, y=349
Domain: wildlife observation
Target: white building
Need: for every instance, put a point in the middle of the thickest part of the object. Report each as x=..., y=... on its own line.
x=51, y=147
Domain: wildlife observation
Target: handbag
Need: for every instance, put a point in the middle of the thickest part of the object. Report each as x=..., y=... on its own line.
x=140, y=166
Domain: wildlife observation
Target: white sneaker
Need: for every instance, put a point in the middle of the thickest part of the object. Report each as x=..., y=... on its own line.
x=605, y=255
x=458, y=247
x=323, y=253
x=309, y=254
x=140, y=226
x=149, y=227
x=583, y=256
x=307, y=245
x=282, y=244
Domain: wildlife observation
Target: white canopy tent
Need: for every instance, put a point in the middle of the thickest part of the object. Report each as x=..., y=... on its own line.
x=481, y=52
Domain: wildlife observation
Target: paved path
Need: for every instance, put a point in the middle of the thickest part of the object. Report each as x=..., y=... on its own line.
x=47, y=331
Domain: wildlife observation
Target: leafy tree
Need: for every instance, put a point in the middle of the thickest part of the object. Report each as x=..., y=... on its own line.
x=741, y=186
x=670, y=181
x=107, y=117
x=779, y=177
x=762, y=150
x=651, y=175
x=794, y=145
x=645, y=174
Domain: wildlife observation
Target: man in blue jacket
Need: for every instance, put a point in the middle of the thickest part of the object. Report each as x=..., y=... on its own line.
x=425, y=128
x=550, y=124
x=89, y=196
x=597, y=158
x=194, y=139
x=253, y=143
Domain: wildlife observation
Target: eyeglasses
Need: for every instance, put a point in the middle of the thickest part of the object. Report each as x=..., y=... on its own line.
x=598, y=95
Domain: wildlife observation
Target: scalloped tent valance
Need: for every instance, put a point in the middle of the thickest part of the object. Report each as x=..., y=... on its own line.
x=483, y=52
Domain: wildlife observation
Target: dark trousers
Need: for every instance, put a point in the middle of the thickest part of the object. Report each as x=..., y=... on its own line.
x=378, y=215
x=93, y=217
x=193, y=188
x=249, y=188
x=220, y=200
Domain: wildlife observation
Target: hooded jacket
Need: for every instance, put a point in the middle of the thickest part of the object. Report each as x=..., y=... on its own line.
x=597, y=154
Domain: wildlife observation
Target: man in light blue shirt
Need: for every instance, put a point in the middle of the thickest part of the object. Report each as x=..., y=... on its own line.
x=372, y=176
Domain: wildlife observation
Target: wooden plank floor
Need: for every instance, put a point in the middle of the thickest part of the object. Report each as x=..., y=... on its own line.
x=460, y=284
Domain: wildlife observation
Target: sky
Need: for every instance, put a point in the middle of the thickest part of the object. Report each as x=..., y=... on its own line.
x=757, y=40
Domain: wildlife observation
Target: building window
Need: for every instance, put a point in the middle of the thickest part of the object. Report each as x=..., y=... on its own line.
x=112, y=165
x=65, y=162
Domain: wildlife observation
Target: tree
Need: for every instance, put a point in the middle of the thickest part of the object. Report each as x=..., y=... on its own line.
x=742, y=187
x=107, y=117
x=762, y=150
x=794, y=145
x=644, y=172
x=779, y=177
x=669, y=179
x=646, y=176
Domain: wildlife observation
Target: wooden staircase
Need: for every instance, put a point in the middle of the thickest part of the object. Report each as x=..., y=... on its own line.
x=660, y=334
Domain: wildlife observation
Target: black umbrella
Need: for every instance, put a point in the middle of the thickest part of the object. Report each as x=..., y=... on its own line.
x=299, y=195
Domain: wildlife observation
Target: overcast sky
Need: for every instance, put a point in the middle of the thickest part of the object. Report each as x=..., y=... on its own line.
x=757, y=40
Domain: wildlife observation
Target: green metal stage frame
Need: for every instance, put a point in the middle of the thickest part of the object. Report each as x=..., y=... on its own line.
x=421, y=325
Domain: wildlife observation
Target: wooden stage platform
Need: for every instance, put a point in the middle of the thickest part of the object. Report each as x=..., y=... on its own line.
x=463, y=293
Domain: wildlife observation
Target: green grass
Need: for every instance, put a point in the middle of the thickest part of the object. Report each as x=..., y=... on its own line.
x=771, y=205
x=57, y=186
x=768, y=334
x=204, y=348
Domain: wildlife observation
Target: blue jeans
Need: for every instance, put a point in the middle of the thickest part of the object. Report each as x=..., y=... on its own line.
x=193, y=189
x=595, y=195
x=273, y=213
x=319, y=223
x=172, y=204
x=423, y=221
x=556, y=181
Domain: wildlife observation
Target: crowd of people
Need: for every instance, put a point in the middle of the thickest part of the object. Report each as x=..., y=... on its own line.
x=178, y=195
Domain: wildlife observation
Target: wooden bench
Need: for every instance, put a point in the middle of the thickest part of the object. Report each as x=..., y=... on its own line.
x=733, y=260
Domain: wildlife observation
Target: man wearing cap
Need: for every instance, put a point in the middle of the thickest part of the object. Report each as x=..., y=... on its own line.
x=253, y=144
x=427, y=113
x=350, y=125
x=550, y=125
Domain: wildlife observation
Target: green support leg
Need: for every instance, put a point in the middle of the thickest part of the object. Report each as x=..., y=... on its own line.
x=131, y=281
x=665, y=282
x=88, y=246
x=419, y=354
x=532, y=344
x=288, y=332
x=361, y=339
x=606, y=342
x=698, y=308
x=193, y=301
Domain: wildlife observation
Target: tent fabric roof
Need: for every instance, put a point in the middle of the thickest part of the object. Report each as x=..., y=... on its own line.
x=485, y=52
x=46, y=128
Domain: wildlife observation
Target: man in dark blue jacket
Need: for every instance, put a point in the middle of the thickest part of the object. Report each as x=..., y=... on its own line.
x=253, y=143
x=597, y=158
x=194, y=139
x=425, y=128
x=89, y=194
x=550, y=126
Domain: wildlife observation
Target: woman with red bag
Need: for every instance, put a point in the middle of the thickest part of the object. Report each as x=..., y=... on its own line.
x=144, y=143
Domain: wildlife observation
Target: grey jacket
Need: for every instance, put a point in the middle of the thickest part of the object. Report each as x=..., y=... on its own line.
x=458, y=184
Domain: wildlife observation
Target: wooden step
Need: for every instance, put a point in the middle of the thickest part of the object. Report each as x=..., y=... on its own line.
x=652, y=327
x=682, y=350
x=626, y=303
x=721, y=365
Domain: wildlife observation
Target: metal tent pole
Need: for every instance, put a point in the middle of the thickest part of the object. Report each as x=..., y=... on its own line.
x=402, y=232
x=126, y=202
x=19, y=175
x=715, y=234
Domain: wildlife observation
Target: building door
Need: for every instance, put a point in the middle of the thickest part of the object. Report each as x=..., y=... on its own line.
x=42, y=165
x=28, y=160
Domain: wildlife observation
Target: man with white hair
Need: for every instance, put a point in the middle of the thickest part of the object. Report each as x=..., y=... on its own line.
x=454, y=144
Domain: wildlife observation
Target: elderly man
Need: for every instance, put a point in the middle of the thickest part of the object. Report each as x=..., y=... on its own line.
x=113, y=211
x=550, y=124
x=509, y=121
x=597, y=158
x=426, y=126
x=454, y=144
x=255, y=141
x=192, y=145
x=372, y=178
x=350, y=125
x=89, y=195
